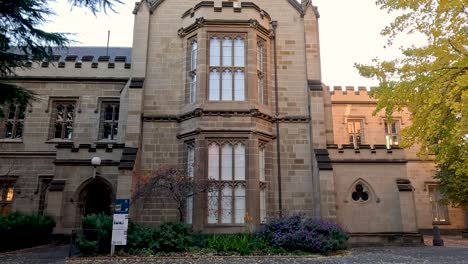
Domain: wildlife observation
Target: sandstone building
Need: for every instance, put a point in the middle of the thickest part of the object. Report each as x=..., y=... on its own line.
x=232, y=91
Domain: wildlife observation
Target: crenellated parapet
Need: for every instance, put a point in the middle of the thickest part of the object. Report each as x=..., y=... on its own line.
x=81, y=62
x=213, y=13
x=350, y=94
x=366, y=153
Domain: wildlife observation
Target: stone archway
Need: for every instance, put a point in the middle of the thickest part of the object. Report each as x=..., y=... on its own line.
x=96, y=196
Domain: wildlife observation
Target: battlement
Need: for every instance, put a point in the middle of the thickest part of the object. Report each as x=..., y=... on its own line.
x=80, y=62
x=366, y=153
x=350, y=94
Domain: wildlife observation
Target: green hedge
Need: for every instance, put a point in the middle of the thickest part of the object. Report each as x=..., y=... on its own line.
x=20, y=230
x=97, y=234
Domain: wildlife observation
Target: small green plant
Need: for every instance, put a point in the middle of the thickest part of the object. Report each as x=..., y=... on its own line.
x=96, y=228
x=169, y=237
x=172, y=237
x=243, y=244
x=87, y=247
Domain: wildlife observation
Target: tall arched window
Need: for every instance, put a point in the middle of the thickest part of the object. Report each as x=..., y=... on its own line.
x=192, y=74
x=227, y=168
x=227, y=56
x=261, y=72
x=263, y=186
x=12, y=125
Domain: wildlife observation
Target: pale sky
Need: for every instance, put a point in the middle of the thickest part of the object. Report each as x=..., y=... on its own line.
x=349, y=33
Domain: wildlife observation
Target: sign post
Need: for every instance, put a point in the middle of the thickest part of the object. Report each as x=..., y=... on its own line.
x=120, y=224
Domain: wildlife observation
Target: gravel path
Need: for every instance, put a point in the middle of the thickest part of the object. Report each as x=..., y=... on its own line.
x=455, y=252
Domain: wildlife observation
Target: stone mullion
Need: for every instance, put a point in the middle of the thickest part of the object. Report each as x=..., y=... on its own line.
x=199, y=211
x=202, y=66
x=233, y=177
x=15, y=122
x=250, y=66
x=252, y=180
x=221, y=186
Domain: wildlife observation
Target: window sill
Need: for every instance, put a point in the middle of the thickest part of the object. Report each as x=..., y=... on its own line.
x=58, y=140
x=441, y=223
x=7, y=140
x=106, y=141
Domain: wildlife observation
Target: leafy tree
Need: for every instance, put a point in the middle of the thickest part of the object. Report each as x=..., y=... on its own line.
x=431, y=81
x=21, y=39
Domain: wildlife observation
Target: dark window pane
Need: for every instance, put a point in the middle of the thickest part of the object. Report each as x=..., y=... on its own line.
x=108, y=112
x=60, y=113
x=107, y=130
x=359, y=188
x=19, y=130
x=22, y=111
x=355, y=196
x=358, y=140
x=8, y=130
x=116, y=126
x=58, y=130
x=11, y=112
x=365, y=196
x=70, y=112
x=116, y=113
x=68, y=131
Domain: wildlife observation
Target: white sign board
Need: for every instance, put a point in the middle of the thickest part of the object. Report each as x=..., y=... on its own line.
x=120, y=222
x=119, y=237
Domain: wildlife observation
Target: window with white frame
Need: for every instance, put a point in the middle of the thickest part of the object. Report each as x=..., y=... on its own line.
x=12, y=126
x=227, y=168
x=439, y=210
x=193, y=70
x=392, y=129
x=109, y=123
x=261, y=72
x=190, y=160
x=355, y=132
x=63, y=117
x=263, y=189
x=227, y=67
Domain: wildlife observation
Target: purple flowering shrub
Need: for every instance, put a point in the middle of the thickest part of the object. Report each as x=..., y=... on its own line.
x=296, y=232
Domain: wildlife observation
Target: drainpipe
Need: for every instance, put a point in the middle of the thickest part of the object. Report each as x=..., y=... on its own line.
x=274, y=24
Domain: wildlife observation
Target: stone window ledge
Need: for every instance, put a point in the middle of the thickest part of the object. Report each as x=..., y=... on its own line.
x=106, y=141
x=8, y=140
x=441, y=223
x=58, y=140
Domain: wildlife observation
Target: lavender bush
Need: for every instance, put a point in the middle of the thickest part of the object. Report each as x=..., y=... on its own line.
x=296, y=232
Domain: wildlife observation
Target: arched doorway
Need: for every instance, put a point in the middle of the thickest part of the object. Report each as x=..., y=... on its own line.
x=96, y=197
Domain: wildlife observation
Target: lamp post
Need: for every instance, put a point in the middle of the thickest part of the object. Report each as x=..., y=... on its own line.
x=95, y=161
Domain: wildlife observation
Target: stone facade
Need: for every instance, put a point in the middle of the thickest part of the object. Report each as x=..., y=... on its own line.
x=260, y=123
